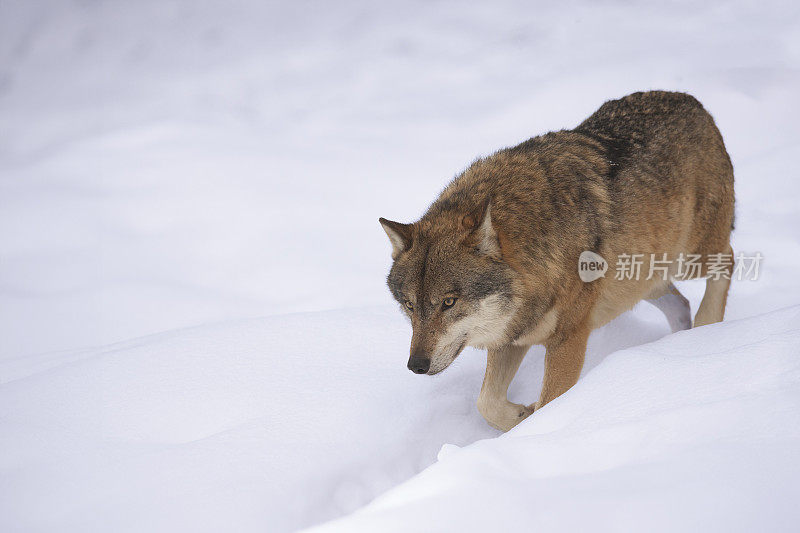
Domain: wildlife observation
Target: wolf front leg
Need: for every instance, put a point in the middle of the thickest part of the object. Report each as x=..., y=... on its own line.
x=493, y=404
x=563, y=361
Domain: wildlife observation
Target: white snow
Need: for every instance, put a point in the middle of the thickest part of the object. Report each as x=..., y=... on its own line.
x=195, y=334
x=697, y=432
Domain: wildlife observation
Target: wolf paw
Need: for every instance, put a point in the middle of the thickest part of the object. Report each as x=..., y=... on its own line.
x=526, y=411
x=503, y=415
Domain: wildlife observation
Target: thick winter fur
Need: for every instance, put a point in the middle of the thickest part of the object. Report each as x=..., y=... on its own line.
x=493, y=263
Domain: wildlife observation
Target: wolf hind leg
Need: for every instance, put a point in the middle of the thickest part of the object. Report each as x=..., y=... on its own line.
x=712, y=307
x=493, y=404
x=675, y=307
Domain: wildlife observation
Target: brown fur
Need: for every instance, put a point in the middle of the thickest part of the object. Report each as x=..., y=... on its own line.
x=645, y=174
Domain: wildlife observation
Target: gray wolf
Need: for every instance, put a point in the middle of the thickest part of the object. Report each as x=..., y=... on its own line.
x=493, y=263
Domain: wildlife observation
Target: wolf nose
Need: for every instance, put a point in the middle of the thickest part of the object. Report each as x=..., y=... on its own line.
x=419, y=366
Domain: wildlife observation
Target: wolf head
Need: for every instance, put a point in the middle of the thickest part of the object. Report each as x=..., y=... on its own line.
x=451, y=280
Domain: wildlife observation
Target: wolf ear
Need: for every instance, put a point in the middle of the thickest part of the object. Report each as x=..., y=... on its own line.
x=399, y=235
x=483, y=235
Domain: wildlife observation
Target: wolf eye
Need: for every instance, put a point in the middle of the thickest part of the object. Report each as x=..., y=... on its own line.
x=409, y=305
x=448, y=303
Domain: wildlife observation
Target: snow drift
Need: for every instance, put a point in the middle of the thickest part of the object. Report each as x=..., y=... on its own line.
x=697, y=432
x=284, y=422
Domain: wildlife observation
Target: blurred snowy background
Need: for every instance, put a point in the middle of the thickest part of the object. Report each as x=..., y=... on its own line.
x=167, y=164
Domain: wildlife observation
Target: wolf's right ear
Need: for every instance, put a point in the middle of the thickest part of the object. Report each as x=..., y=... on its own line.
x=399, y=235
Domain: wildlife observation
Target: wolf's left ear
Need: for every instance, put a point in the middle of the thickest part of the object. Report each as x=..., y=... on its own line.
x=483, y=236
x=399, y=235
